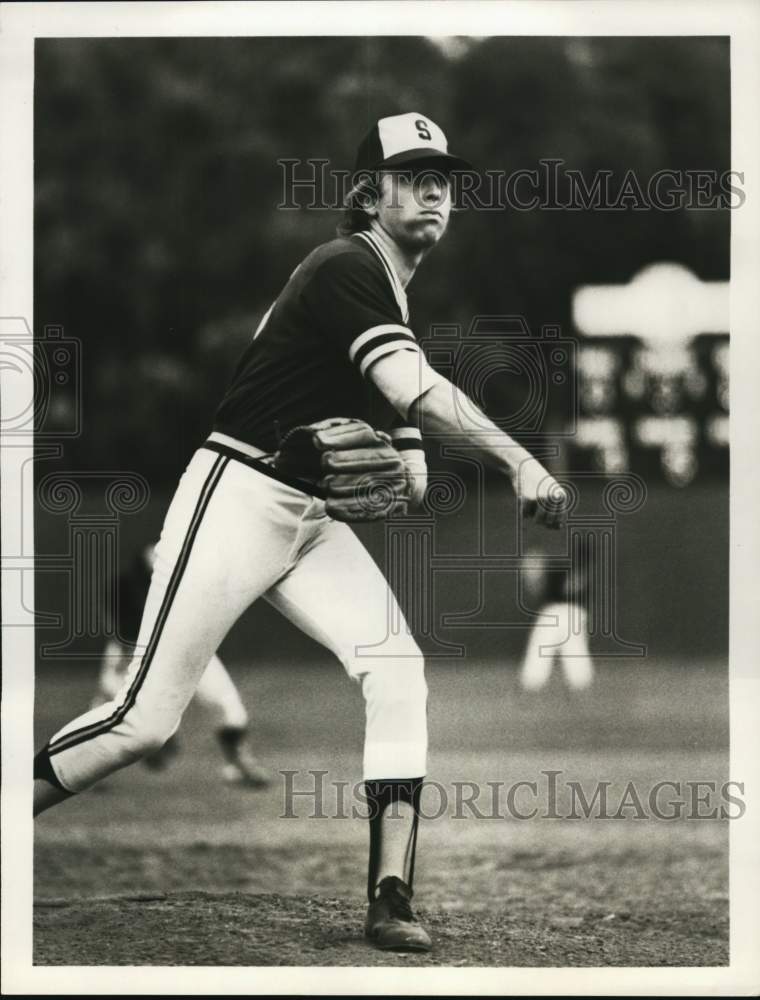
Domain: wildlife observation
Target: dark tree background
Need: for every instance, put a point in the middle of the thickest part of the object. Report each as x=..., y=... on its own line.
x=158, y=243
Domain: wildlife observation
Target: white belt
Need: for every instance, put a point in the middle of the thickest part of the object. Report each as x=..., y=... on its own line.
x=247, y=449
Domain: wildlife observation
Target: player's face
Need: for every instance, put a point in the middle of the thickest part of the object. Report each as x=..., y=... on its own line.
x=414, y=207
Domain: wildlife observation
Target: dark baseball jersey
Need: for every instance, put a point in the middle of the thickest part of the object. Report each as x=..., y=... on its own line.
x=562, y=586
x=342, y=309
x=545, y=583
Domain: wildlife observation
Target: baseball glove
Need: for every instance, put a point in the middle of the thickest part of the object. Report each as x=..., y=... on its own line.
x=360, y=474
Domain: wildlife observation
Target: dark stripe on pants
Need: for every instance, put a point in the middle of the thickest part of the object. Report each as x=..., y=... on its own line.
x=103, y=726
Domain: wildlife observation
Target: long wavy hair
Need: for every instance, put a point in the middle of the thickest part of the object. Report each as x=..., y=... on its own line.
x=362, y=195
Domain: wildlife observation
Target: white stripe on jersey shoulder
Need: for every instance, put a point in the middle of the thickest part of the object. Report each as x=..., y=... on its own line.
x=398, y=289
x=380, y=331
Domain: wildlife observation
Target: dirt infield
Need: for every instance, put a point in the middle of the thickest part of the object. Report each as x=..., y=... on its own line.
x=175, y=868
x=624, y=910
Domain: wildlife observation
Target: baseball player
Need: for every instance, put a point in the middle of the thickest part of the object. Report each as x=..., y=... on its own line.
x=562, y=632
x=261, y=509
x=216, y=690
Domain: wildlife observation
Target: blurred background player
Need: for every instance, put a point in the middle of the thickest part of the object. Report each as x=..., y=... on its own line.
x=560, y=597
x=216, y=691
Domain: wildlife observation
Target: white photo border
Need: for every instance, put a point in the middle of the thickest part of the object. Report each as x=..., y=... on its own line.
x=20, y=24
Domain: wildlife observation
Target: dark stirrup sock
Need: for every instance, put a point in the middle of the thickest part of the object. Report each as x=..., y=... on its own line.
x=380, y=796
x=43, y=770
x=230, y=738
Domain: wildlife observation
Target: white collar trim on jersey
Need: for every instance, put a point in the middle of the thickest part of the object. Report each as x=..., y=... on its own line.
x=390, y=270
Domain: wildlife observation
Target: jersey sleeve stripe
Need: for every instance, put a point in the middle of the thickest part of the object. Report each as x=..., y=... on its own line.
x=408, y=444
x=377, y=351
x=364, y=340
x=406, y=437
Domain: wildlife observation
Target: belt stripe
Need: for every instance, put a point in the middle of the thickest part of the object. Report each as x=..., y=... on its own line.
x=302, y=485
x=104, y=725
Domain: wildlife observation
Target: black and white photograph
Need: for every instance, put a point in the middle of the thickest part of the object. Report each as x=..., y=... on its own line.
x=379, y=534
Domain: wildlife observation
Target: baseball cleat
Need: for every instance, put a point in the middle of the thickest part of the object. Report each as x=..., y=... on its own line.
x=391, y=923
x=245, y=771
x=160, y=759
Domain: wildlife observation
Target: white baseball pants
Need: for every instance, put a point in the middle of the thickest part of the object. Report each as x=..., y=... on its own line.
x=216, y=690
x=565, y=638
x=233, y=534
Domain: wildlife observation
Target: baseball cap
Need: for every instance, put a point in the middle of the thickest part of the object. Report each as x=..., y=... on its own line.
x=409, y=138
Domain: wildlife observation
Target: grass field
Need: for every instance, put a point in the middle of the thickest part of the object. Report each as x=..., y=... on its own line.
x=176, y=868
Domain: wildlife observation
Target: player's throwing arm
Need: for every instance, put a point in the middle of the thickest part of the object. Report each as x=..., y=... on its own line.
x=539, y=494
x=444, y=409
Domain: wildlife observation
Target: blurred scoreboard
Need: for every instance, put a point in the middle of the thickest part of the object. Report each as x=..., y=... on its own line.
x=652, y=377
